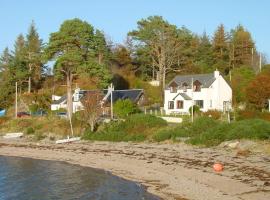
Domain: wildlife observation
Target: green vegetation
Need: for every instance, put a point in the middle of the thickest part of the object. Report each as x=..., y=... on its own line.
x=124, y=108
x=137, y=127
x=209, y=132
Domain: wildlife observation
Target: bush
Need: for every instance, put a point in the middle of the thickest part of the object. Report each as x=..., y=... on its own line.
x=186, y=129
x=124, y=108
x=136, y=127
x=30, y=131
x=196, y=109
x=245, y=129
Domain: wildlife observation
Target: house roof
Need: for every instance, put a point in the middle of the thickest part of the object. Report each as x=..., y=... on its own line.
x=62, y=99
x=205, y=79
x=185, y=96
x=134, y=95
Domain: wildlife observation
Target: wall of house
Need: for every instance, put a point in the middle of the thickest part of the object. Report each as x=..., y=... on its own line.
x=213, y=97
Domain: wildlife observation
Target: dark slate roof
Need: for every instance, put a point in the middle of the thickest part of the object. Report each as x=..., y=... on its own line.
x=133, y=94
x=205, y=79
x=62, y=99
x=185, y=96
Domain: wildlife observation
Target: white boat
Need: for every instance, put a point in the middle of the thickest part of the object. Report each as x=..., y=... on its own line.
x=68, y=140
x=12, y=135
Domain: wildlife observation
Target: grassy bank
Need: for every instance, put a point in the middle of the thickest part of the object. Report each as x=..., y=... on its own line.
x=137, y=127
x=206, y=131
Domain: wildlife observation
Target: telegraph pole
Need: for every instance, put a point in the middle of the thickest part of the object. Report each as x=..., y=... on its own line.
x=16, y=100
x=192, y=115
x=260, y=62
x=111, y=87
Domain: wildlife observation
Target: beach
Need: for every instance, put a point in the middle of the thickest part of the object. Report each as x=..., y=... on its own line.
x=170, y=171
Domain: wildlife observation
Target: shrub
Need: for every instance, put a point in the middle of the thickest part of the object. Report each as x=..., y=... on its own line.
x=245, y=129
x=136, y=127
x=124, y=108
x=196, y=109
x=30, y=131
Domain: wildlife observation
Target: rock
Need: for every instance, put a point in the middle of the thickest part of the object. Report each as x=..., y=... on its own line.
x=230, y=144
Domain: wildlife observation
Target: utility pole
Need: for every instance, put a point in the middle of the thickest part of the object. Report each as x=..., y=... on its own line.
x=260, y=62
x=192, y=105
x=111, y=88
x=16, y=100
x=252, y=57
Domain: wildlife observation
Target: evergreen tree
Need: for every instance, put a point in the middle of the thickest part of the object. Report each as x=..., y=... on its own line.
x=33, y=52
x=220, y=46
x=101, y=48
x=204, y=56
x=243, y=46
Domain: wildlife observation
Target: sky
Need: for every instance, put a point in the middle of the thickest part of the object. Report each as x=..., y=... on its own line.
x=117, y=17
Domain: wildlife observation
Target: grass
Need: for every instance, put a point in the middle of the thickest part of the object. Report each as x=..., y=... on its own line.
x=40, y=127
x=136, y=127
x=209, y=132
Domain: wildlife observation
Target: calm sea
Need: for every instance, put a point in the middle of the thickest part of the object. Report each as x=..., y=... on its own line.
x=31, y=179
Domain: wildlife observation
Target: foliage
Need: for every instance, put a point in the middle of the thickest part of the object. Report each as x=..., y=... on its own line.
x=124, y=108
x=92, y=108
x=136, y=127
x=245, y=129
x=240, y=79
x=258, y=90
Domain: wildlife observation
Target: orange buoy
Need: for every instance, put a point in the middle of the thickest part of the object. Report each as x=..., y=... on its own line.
x=218, y=167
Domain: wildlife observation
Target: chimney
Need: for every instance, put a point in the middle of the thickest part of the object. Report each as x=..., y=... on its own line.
x=216, y=73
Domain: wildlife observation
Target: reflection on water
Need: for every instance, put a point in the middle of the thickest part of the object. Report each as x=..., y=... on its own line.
x=30, y=179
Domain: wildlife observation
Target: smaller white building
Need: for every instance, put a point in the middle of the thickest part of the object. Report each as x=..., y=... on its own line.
x=208, y=91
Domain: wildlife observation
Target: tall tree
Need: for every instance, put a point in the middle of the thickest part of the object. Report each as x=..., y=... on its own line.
x=221, y=49
x=72, y=48
x=243, y=47
x=33, y=52
x=161, y=38
x=204, y=56
x=101, y=48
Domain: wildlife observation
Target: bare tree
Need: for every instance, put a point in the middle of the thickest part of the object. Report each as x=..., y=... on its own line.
x=92, y=103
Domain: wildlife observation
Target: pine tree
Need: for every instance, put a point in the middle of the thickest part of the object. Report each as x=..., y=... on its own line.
x=243, y=46
x=33, y=49
x=220, y=46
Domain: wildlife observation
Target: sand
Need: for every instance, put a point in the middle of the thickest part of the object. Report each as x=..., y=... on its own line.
x=170, y=171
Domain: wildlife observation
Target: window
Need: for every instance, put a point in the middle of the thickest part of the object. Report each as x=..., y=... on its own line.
x=185, y=85
x=180, y=104
x=197, y=86
x=211, y=103
x=171, y=105
x=173, y=89
x=199, y=103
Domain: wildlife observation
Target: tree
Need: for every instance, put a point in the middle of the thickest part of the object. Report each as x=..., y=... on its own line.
x=101, y=47
x=241, y=77
x=70, y=48
x=92, y=103
x=161, y=39
x=123, y=108
x=258, y=90
x=73, y=49
x=33, y=52
x=221, y=49
x=204, y=56
x=243, y=46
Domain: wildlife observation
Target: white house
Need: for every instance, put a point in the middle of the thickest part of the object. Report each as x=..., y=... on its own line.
x=208, y=91
x=135, y=95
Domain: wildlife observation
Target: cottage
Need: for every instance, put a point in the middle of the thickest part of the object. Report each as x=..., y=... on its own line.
x=135, y=95
x=208, y=91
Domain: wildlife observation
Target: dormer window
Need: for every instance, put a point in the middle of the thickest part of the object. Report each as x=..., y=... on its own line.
x=173, y=87
x=197, y=86
x=185, y=85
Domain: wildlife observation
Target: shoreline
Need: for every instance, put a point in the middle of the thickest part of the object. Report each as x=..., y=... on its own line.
x=169, y=171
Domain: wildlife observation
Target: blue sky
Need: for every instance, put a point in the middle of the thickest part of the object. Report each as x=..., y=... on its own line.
x=117, y=17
